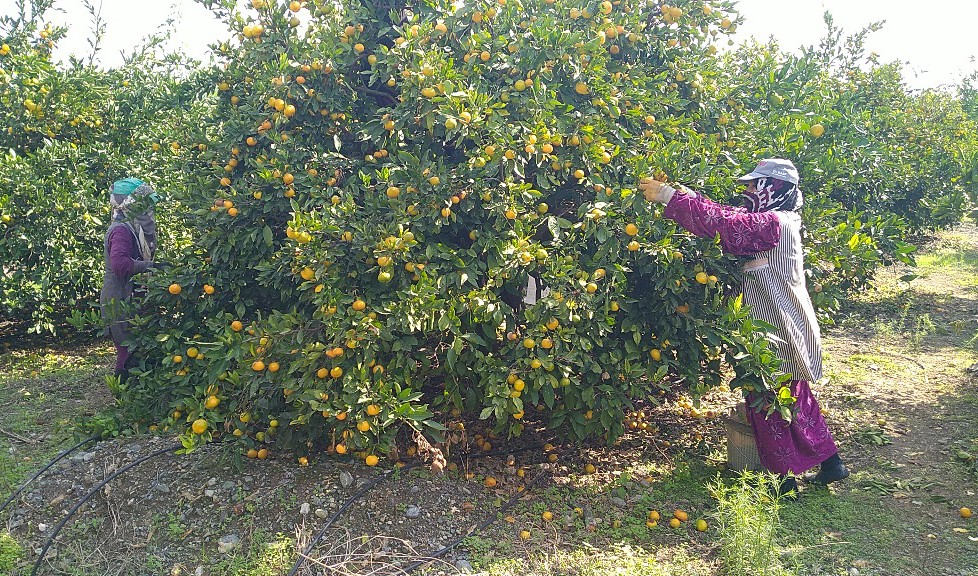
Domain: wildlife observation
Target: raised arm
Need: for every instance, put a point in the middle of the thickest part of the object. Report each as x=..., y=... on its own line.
x=742, y=233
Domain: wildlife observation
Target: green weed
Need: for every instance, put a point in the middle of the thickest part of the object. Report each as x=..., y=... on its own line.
x=10, y=552
x=748, y=519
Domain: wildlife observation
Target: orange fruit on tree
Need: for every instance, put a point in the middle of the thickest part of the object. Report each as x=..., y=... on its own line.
x=373, y=409
x=363, y=426
x=263, y=453
x=273, y=367
x=359, y=305
x=208, y=289
x=175, y=289
x=257, y=365
x=371, y=460
x=341, y=448
x=336, y=372
x=212, y=402
x=199, y=426
x=237, y=326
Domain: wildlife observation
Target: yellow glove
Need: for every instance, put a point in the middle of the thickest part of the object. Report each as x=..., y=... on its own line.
x=656, y=191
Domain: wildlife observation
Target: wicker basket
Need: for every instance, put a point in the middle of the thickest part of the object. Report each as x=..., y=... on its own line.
x=741, y=448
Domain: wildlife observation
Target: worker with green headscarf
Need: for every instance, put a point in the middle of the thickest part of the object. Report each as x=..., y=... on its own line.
x=130, y=248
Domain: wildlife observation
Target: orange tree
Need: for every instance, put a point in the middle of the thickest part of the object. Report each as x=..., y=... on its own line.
x=877, y=161
x=379, y=188
x=68, y=131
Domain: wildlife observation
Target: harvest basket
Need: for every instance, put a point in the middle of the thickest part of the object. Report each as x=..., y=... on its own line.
x=741, y=448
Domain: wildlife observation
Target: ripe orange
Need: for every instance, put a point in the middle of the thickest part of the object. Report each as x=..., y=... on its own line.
x=273, y=367
x=208, y=289
x=236, y=326
x=263, y=453
x=675, y=523
x=524, y=534
x=547, y=516
x=359, y=305
x=258, y=366
x=252, y=453
x=680, y=515
x=490, y=482
x=336, y=372
x=653, y=515
x=303, y=461
x=199, y=426
x=363, y=426
x=212, y=402
x=175, y=289
x=341, y=449
x=965, y=512
x=373, y=410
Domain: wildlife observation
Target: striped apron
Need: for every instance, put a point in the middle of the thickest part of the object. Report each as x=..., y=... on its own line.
x=774, y=287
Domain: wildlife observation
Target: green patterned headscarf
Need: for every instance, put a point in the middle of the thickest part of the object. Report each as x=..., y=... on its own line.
x=128, y=206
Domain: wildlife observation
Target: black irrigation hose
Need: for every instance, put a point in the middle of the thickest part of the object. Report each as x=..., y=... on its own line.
x=369, y=485
x=339, y=512
x=91, y=493
x=45, y=469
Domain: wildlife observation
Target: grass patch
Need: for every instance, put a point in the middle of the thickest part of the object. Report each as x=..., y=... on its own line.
x=10, y=553
x=266, y=554
x=825, y=530
x=613, y=560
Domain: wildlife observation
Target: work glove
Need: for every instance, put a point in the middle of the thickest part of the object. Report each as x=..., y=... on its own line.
x=656, y=191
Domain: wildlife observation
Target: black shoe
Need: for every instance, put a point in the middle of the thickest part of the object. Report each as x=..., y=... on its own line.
x=832, y=470
x=786, y=488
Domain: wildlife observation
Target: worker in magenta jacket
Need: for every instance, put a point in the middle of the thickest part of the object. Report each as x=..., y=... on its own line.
x=130, y=248
x=768, y=232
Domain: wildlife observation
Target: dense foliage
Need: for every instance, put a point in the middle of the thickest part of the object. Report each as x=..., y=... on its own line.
x=369, y=190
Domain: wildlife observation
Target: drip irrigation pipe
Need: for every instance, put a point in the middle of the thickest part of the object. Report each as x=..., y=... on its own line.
x=91, y=493
x=43, y=470
x=339, y=512
x=369, y=485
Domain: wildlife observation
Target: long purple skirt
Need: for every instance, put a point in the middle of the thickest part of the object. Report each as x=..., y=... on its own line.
x=793, y=448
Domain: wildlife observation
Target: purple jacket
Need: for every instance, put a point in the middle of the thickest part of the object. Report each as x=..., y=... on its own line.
x=742, y=233
x=773, y=281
